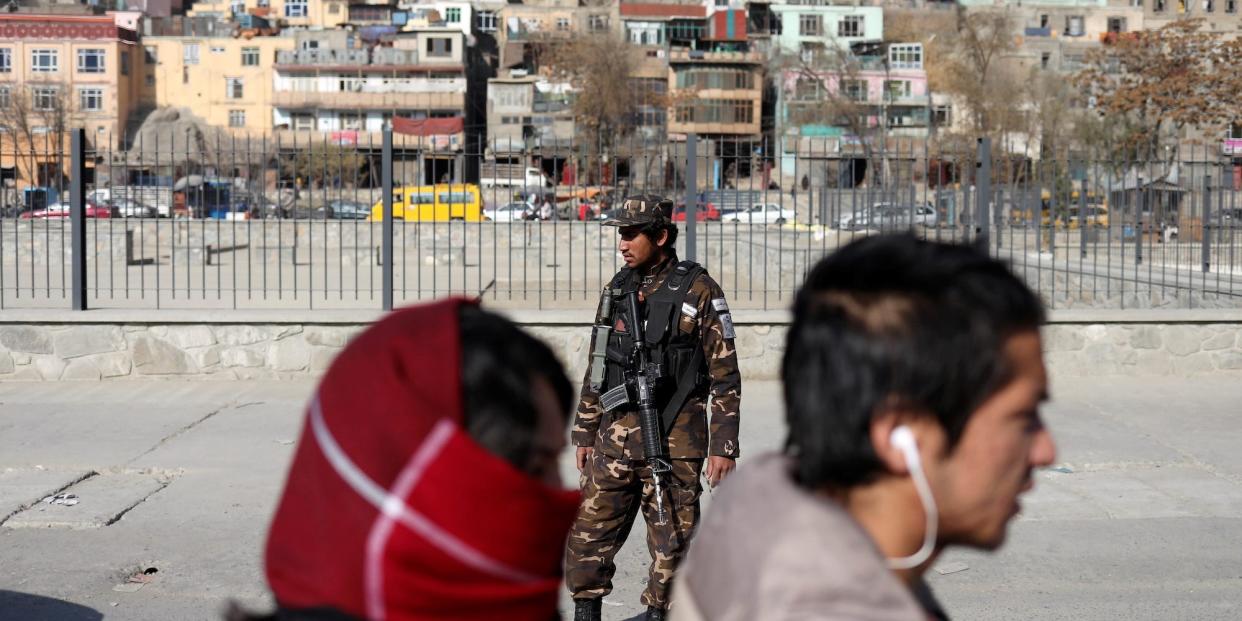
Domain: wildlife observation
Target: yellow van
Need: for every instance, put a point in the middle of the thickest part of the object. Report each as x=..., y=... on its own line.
x=433, y=203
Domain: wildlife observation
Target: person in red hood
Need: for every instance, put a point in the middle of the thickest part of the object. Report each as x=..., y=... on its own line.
x=425, y=482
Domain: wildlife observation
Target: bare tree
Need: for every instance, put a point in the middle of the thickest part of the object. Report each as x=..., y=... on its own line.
x=38, y=117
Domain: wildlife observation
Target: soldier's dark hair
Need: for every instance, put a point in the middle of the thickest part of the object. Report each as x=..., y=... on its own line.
x=653, y=231
x=499, y=364
x=892, y=320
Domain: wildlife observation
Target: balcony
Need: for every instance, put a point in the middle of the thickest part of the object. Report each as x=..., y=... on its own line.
x=1038, y=32
x=365, y=140
x=682, y=55
x=323, y=57
x=337, y=100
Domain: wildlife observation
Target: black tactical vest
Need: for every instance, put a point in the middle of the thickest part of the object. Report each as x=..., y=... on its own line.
x=679, y=352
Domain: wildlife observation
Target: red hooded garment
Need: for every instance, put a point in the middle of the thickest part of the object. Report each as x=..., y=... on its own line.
x=392, y=512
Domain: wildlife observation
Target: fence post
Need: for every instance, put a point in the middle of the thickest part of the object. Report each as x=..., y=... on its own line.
x=77, y=215
x=1141, y=196
x=1084, y=227
x=692, y=191
x=387, y=225
x=1207, y=223
x=983, y=189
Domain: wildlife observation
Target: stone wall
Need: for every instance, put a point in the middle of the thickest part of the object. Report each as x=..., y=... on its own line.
x=228, y=351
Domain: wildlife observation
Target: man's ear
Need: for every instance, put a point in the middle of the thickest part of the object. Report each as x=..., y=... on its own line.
x=890, y=455
x=663, y=238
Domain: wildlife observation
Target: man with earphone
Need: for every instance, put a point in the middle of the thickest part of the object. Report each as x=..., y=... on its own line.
x=913, y=376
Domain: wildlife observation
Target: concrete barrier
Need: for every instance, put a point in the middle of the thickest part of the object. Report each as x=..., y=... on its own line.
x=129, y=344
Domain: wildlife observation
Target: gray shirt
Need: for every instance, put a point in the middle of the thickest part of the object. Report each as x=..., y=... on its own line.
x=769, y=550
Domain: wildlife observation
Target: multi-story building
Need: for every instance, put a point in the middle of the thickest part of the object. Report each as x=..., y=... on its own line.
x=62, y=72
x=293, y=13
x=1057, y=36
x=528, y=112
x=531, y=22
x=806, y=28
x=225, y=81
x=335, y=87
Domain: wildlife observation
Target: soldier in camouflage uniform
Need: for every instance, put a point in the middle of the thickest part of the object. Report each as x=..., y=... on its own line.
x=615, y=480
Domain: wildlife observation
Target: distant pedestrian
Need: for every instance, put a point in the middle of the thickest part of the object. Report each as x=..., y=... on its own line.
x=425, y=484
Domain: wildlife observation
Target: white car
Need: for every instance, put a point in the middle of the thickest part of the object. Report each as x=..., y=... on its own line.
x=134, y=209
x=769, y=213
x=512, y=212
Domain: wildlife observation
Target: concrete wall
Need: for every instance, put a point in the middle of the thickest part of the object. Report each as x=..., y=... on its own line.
x=117, y=345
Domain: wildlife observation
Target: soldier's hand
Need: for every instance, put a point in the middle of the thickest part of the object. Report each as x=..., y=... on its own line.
x=718, y=468
x=581, y=455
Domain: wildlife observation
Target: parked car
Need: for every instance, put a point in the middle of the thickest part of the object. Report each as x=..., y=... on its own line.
x=348, y=210
x=706, y=212
x=61, y=211
x=127, y=208
x=856, y=219
x=511, y=212
x=769, y=213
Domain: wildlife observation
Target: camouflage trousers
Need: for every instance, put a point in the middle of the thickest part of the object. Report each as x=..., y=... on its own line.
x=613, y=491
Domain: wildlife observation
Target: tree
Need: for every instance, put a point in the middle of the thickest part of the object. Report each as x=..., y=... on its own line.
x=323, y=162
x=977, y=70
x=38, y=122
x=1157, y=83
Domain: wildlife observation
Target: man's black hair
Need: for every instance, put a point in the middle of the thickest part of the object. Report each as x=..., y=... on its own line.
x=894, y=321
x=499, y=364
x=653, y=231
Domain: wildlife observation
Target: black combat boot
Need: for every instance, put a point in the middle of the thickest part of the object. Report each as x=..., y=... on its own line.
x=655, y=614
x=588, y=609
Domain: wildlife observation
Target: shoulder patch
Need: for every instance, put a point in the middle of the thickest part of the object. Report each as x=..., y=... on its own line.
x=726, y=325
x=689, y=310
x=720, y=305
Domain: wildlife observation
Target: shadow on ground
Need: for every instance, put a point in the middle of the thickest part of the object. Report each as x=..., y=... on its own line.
x=26, y=606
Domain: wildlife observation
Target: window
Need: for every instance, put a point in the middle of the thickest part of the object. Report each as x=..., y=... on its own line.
x=1043, y=21
x=452, y=15
x=250, y=56
x=597, y=23
x=850, y=26
x=90, y=99
x=645, y=33
x=234, y=88
x=216, y=49
x=44, y=61
x=1116, y=24
x=1073, y=26
x=905, y=56
x=724, y=111
x=487, y=21
x=303, y=121
x=124, y=63
x=150, y=80
x=6, y=97
x=811, y=25
x=1209, y=6
x=1044, y=59
x=439, y=46
x=150, y=54
x=6, y=60
x=1231, y=6
x=715, y=79
x=237, y=7
x=44, y=98
x=855, y=90
x=295, y=8
x=237, y=118
x=942, y=116
x=562, y=24
x=1138, y=4
x=807, y=89
x=189, y=53
x=352, y=121
x=896, y=89
x=1158, y=6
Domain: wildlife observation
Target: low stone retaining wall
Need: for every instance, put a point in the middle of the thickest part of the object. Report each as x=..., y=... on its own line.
x=119, y=345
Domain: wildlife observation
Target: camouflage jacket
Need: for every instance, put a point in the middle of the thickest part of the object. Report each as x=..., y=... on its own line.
x=617, y=434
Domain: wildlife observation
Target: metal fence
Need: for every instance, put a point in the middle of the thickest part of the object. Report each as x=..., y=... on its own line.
x=287, y=221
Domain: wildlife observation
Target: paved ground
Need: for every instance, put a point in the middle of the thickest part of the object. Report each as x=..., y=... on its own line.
x=1139, y=521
